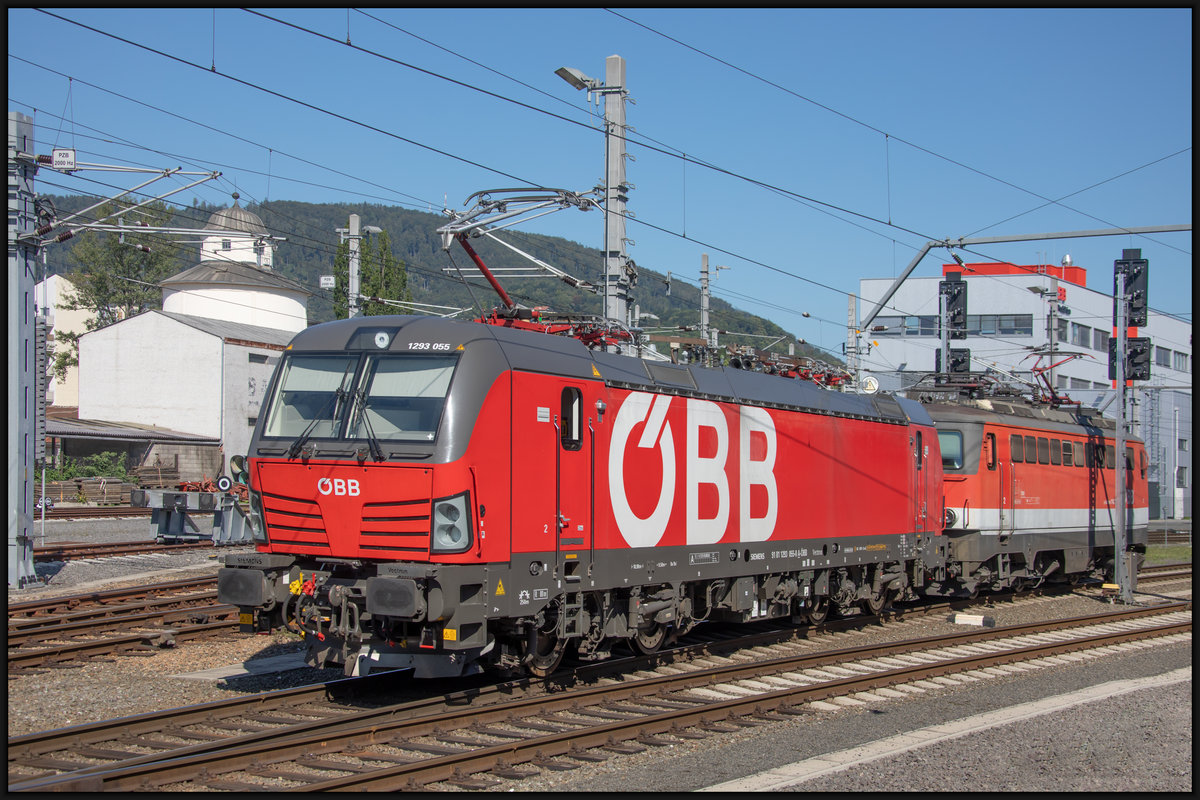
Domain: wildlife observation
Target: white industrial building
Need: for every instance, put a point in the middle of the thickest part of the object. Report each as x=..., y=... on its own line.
x=1013, y=311
x=50, y=296
x=199, y=366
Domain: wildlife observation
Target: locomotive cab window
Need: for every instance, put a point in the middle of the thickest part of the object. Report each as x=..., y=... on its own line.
x=332, y=396
x=312, y=391
x=951, y=443
x=401, y=397
x=571, y=420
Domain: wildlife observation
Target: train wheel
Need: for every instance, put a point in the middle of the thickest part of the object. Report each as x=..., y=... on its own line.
x=547, y=655
x=873, y=604
x=819, y=612
x=876, y=603
x=648, y=641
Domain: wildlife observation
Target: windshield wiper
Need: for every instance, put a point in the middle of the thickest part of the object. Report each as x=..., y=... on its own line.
x=372, y=442
x=332, y=405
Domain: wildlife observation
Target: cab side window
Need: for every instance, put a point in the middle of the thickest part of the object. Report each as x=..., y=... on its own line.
x=571, y=419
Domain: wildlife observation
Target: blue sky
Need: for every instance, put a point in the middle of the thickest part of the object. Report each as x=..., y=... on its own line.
x=873, y=130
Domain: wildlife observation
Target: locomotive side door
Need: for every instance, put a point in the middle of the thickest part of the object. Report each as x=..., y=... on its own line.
x=920, y=507
x=573, y=485
x=552, y=492
x=574, y=479
x=1006, y=486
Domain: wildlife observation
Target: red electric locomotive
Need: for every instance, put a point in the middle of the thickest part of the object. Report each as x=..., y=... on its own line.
x=1031, y=494
x=448, y=495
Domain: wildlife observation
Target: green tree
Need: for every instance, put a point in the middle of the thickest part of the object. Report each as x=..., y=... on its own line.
x=380, y=275
x=118, y=273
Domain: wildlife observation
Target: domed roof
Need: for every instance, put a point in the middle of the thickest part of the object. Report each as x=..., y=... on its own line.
x=236, y=218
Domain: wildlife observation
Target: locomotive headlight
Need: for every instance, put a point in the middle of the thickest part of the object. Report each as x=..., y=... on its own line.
x=451, y=525
x=254, y=519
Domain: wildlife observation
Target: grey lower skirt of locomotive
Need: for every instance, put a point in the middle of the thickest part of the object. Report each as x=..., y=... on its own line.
x=442, y=622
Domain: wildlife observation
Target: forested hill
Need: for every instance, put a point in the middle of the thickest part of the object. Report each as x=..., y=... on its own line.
x=310, y=230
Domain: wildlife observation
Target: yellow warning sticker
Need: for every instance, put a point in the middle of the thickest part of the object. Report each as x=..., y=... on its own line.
x=450, y=634
x=499, y=587
x=595, y=371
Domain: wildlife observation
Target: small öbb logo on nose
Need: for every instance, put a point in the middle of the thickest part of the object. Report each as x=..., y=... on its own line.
x=339, y=487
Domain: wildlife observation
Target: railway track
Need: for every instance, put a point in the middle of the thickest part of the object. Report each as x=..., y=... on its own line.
x=69, y=630
x=313, y=739
x=66, y=551
x=95, y=512
x=1161, y=573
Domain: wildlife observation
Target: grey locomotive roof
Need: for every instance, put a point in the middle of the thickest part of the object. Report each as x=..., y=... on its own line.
x=1018, y=412
x=560, y=355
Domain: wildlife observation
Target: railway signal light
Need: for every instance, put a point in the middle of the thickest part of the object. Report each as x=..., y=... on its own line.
x=1136, y=271
x=1137, y=359
x=955, y=292
x=960, y=360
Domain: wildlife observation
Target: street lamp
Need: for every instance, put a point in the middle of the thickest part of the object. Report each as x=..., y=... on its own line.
x=616, y=262
x=577, y=78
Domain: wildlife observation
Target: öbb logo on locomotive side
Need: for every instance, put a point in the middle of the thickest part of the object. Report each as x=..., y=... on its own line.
x=706, y=477
x=340, y=487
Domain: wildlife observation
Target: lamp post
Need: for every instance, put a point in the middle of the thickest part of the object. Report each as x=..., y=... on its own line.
x=618, y=268
x=354, y=234
x=1052, y=296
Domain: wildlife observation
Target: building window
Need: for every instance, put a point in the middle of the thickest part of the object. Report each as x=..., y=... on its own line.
x=1183, y=445
x=226, y=244
x=1000, y=324
x=258, y=358
x=1181, y=478
x=1181, y=361
x=1100, y=340
x=1081, y=335
x=977, y=325
x=1080, y=383
x=1015, y=324
x=892, y=326
x=1062, y=331
x=1162, y=356
x=251, y=421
